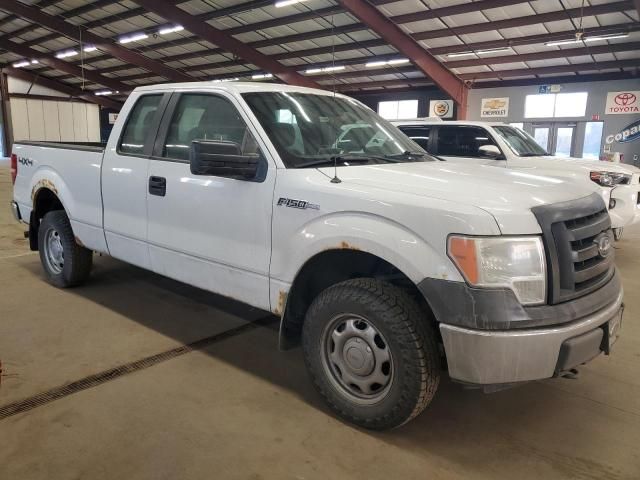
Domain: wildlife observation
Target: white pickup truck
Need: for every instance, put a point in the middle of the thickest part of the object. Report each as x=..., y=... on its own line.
x=386, y=264
x=501, y=145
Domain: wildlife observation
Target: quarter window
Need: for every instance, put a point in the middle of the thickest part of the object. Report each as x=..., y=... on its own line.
x=206, y=117
x=462, y=141
x=138, y=124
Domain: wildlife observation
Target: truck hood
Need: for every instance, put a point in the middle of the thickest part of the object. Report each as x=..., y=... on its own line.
x=551, y=163
x=506, y=194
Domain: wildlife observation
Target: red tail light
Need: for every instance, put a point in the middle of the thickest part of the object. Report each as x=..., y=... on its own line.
x=14, y=168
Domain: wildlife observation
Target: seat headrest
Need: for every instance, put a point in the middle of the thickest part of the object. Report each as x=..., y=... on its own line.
x=284, y=133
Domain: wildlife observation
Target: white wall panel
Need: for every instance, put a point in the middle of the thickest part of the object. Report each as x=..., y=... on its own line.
x=93, y=123
x=36, y=120
x=80, y=122
x=19, y=119
x=65, y=119
x=51, y=121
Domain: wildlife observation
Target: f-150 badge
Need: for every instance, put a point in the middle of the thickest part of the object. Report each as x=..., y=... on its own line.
x=301, y=204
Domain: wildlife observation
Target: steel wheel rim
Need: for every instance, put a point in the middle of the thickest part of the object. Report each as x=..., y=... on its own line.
x=53, y=251
x=357, y=359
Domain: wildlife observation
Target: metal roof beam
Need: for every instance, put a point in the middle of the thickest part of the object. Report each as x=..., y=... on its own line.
x=407, y=46
x=230, y=44
x=71, y=31
x=91, y=75
x=61, y=87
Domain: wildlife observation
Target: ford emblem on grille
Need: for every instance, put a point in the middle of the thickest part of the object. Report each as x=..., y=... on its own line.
x=603, y=241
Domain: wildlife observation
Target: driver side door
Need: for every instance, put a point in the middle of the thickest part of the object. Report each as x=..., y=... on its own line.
x=210, y=231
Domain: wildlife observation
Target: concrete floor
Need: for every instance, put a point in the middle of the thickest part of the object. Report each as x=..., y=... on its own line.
x=241, y=409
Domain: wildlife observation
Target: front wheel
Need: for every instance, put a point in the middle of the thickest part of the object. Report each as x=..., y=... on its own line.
x=371, y=353
x=617, y=233
x=65, y=263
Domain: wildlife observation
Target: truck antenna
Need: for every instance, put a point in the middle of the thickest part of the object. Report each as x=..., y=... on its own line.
x=335, y=178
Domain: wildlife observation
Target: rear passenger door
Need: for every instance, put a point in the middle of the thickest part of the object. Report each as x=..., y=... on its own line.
x=461, y=143
x=210, y=231
x=124, y=178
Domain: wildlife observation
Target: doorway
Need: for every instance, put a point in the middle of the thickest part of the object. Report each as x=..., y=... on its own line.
x=558, y=139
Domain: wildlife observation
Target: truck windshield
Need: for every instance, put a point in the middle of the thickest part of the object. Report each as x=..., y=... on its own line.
x=310, y=130
x=522, y=144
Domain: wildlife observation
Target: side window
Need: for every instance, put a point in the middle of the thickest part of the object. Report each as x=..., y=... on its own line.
x=462, y=141
x=419, y=134
x=205, y=117
x=137, y=127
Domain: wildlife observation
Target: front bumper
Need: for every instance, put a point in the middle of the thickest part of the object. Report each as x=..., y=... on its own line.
x=15, y=209
x=490, y=357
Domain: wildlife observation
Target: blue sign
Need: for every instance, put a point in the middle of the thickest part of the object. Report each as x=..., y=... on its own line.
x=628, y=134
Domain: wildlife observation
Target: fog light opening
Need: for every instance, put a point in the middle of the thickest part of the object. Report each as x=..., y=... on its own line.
x=612, y=203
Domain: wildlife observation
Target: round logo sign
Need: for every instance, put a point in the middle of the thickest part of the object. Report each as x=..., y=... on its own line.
x=625, y=99
x=441, y=109
x=603, y=242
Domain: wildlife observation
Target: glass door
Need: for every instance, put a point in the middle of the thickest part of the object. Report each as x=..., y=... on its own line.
x=556, y=138
x=542, y=135
x=564, y=144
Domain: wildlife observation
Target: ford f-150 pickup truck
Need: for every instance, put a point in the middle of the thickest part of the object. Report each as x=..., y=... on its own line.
x=385, y=264
x=502, y=145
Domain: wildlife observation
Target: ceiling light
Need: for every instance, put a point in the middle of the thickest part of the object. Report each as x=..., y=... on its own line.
x=23, y=63
x=286, y=3
x=90, y=48
x=219, y=80
x=611, y=36
x=325, y=69
x=33, y=62
x=173, y=29
x=104, y=92
x=261, y=76
x=133, y=38
x=460, y=54
x=380, y=63
x=493, y=50
x=66, y=53
x=555, y=43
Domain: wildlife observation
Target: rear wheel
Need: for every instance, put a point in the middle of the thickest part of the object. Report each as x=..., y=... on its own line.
x=371, y=353
x=65, y=263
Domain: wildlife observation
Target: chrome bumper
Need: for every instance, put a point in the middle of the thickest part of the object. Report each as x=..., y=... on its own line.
x=16, y=211
x=485, y=357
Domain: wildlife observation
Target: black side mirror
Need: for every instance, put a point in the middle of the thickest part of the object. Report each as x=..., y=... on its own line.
x=222, y=159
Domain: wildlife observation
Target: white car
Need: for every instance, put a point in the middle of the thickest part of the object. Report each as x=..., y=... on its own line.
x=377, y=257
x=498, y=144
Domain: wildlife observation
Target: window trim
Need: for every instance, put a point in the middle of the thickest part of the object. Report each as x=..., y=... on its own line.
x=163, y=132
x=436, y=137
x=153, y=129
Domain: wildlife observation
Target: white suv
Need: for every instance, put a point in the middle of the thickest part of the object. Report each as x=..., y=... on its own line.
x=499, y=144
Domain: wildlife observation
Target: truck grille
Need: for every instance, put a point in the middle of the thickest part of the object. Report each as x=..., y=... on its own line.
x=575, y=235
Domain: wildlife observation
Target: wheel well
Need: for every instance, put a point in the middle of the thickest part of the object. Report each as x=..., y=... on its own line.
x=334, y=266
x=44, y=201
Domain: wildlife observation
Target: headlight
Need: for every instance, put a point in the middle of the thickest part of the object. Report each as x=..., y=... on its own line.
x=609, y=179
x=517, y=263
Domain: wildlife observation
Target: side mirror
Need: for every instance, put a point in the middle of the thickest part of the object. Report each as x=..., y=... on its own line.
x=222, y=159
x=490, y=151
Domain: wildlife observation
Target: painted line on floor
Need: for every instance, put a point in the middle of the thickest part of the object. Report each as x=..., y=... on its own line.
x=97, y=379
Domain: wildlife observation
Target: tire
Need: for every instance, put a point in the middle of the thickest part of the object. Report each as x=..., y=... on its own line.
x=66, y=264
x=359, y=323
x=617, y=233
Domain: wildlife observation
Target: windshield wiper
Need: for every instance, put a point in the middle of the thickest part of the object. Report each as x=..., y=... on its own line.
x=345, y=158
x=412, y=155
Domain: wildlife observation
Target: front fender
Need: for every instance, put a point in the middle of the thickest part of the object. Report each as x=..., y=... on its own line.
x=379, y=236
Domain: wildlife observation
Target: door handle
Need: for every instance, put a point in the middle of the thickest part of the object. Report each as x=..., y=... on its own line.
x=158, y=186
